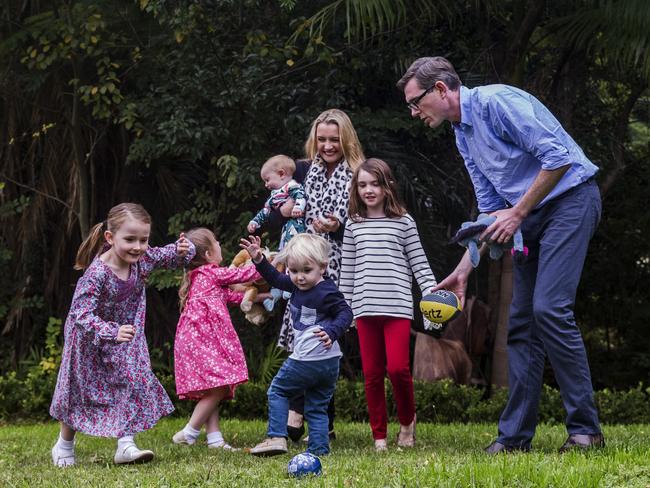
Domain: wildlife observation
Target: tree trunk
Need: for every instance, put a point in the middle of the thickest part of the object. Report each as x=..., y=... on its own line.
x=82, y=173
x=499, y=353
x=620, y=131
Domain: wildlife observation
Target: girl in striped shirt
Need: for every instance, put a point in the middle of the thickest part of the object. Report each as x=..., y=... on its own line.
x=381, y=254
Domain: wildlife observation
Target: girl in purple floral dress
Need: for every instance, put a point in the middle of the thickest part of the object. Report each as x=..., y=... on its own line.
x=208, y=357
x=105, y=385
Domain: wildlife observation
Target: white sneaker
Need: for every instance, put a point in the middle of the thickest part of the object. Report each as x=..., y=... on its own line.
x=132, y=455
x=181, y=438
x=61, y=457
x=222, y=445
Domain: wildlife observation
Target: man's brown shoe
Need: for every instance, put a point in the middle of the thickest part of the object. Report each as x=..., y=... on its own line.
x=498, y=448
x=583, y=442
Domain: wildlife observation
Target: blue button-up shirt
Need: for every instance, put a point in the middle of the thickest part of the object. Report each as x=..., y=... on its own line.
x=506, y=136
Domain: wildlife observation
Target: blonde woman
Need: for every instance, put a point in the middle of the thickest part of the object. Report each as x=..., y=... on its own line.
x=333, y=152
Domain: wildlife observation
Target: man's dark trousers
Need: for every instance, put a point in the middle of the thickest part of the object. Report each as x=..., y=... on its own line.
x=541, y=316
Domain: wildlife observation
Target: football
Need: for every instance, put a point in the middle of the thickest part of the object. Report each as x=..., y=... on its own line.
x=304, y=464
x=440, y=306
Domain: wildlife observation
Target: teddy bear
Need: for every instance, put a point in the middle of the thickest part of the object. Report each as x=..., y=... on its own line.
x=468, y=236
x=255, y=313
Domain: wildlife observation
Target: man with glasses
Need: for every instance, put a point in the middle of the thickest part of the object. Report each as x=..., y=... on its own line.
x=529, y=173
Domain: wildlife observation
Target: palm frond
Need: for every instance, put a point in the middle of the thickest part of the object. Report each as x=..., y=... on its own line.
x=618, y=31
x=365, y=19
x=263, y=368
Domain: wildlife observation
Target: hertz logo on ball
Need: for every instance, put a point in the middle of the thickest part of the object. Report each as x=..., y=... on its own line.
x=440, y=306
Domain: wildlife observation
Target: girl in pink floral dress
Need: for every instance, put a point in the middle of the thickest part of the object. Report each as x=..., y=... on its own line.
x=105, y=385
x=208, y=356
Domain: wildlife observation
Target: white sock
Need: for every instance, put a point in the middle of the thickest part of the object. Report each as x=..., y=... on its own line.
x=65, y=445
x=191, y=433
x=215, y=437
x=125, y=441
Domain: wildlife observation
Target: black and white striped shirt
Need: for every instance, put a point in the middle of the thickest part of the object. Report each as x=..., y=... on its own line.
x=379, y=259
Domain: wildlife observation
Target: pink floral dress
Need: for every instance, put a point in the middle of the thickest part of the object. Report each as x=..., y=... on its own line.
x=106, y=388
x=207, y=351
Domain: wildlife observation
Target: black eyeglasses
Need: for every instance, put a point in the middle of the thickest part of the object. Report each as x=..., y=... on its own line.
x=413, y=104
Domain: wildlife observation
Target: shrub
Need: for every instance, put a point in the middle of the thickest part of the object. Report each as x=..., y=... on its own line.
x=12, y=389
x=489, y=409
x=624, y=407
x=28, y=396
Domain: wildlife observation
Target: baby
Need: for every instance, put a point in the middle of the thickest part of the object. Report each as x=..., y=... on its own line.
x=277, y=174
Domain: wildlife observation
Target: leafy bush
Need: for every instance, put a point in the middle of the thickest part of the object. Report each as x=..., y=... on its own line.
x=624, y=407
x=249, y=401
x=27, y=397
x=444, y=401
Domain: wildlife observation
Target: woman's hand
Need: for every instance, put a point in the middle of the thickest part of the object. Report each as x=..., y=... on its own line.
x=325, y=224
x=182, y=246
x=287, y=208
x=125, y=333
x=252, y=246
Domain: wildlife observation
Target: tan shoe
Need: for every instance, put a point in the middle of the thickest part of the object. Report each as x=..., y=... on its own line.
x=271, y=446
x=406, y=436
x=381, y=445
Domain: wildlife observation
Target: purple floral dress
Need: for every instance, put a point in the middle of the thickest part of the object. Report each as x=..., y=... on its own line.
x=106, y=388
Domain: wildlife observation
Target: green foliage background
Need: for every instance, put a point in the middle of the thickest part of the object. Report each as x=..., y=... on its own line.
x=176, y=104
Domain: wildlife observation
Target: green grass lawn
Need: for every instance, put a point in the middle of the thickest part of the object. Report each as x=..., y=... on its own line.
x=446, y=455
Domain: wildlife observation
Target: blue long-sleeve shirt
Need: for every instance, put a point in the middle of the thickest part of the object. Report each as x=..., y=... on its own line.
x=506, y=136
x=321, y=307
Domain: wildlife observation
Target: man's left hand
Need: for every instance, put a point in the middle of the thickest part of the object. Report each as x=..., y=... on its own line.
x=507, y=222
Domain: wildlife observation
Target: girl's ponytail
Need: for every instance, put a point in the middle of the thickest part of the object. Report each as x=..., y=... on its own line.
x=90, y=247
x=184, y=289
x=203, y=240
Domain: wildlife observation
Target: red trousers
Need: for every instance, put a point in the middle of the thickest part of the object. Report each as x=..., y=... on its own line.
x=384, y=343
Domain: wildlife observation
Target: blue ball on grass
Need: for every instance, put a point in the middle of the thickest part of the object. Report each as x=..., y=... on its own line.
x=304, y=464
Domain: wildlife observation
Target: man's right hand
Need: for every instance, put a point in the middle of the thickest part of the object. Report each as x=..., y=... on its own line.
x=125, y=333
x=456, y=282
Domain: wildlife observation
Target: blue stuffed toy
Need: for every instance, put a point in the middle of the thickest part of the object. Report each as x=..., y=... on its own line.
x=276, y=294
x=468, y=237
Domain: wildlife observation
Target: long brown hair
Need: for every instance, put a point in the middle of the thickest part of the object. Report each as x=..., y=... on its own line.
x=203, y=240
x=352, y=150
x=392, y=204
x=92, y=244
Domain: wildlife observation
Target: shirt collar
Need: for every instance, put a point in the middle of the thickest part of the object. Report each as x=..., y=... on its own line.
x=465, y=107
